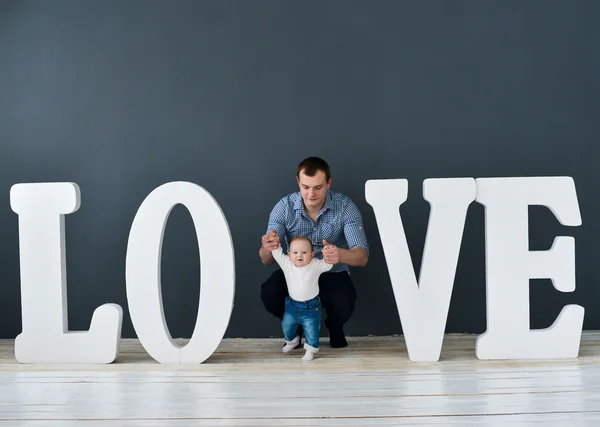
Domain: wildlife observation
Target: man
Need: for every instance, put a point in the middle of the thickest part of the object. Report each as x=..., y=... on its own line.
x=334, y=225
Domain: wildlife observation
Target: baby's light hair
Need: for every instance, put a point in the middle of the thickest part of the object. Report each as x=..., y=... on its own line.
x=302, y=238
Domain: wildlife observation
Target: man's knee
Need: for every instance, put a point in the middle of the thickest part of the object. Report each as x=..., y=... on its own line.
x=342, y=306
x=271, y=287
x=339, y=298
x=273, y=292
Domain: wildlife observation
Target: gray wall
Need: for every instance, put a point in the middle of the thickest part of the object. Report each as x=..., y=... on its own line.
x=122, y=97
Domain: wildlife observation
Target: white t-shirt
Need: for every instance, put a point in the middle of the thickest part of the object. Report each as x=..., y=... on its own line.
x=302, y=282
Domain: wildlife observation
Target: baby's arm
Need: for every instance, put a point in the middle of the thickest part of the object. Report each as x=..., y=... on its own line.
x=322, y=266
x=279, y=255
x=282, y=259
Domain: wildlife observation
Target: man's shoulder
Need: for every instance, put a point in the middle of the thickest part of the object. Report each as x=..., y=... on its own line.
x=338, y=196
x=339, y=200
x=286, y=204
x=290, y=199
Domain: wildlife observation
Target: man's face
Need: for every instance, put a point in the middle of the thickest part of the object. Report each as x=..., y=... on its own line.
x=300, y=252
x=313, y=189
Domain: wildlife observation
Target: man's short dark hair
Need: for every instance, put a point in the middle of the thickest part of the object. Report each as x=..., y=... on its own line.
x=312, y=165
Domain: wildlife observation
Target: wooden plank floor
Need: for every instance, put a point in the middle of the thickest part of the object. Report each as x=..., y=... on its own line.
x=250, y=382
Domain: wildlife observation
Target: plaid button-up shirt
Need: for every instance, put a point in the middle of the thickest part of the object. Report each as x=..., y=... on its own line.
x=339, y=223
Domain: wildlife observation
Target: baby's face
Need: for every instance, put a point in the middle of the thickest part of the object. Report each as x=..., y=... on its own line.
x=300, y=253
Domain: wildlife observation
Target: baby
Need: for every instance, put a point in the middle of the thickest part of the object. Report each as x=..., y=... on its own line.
x=303, y=305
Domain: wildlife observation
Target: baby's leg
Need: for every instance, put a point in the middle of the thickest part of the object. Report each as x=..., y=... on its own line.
x=311, y=322
x=289, y=325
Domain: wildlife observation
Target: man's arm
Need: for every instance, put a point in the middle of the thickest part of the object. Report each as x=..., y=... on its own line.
x=355, y=257
x=358, y=254
x=270, y=244
x=276, y=229
x=265, y=256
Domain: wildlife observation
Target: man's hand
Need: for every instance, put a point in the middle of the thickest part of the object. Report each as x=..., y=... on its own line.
x=331, y=253
x=270, y=241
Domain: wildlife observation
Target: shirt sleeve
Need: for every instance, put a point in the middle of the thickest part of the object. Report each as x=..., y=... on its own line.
x=277, y=221
x=353, y=228
x=322, y=266
x=279, y=256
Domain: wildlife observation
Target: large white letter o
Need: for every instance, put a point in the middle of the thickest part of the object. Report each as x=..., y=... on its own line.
x=217, y=273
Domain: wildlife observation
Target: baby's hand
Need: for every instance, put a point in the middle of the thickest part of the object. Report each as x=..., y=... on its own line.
x=270, y=241
x=331, y=253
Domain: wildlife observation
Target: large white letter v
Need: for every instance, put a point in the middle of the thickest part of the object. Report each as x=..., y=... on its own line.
x=423, y=307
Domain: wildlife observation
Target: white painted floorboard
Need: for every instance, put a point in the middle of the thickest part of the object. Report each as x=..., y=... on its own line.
x=249, y=382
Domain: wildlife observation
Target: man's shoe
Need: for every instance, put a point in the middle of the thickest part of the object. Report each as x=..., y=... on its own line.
x=337, y=339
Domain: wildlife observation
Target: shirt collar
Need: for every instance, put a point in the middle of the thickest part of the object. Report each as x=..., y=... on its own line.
x=299, y=205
